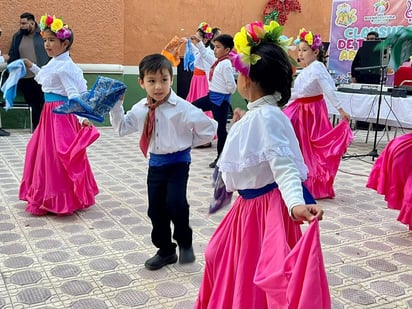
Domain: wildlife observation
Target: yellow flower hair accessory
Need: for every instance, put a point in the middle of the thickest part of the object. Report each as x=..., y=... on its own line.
x=56, y=25
x=314, y=41
x=252, y=35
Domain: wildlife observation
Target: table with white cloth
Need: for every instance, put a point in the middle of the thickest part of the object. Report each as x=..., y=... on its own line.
x=394, y=111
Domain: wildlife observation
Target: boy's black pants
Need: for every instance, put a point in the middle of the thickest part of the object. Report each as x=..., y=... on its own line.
x=166, y=187
x=220, y=115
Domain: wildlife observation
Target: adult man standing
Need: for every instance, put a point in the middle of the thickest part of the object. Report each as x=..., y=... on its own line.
x=3, y=66
x=369, y=76
x=358, y=76
x=28, y=43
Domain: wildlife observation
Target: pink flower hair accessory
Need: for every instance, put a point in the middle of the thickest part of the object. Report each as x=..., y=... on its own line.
x=64, y=33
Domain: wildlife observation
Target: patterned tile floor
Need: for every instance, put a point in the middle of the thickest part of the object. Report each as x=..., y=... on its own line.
x=94, y=259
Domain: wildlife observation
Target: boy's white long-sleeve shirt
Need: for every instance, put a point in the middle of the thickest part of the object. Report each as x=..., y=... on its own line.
x=178, y=124
x=223, y=80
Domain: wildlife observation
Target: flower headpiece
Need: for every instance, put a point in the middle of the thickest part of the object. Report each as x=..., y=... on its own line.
x=314, y=41
x=206, y=29
x=56, y=25
x=252, y=35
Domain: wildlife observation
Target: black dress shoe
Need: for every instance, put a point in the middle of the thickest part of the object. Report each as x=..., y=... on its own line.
x=186, y=255
x=207, y=145
x=213, y=164
x=4, y=132
x=158, y=261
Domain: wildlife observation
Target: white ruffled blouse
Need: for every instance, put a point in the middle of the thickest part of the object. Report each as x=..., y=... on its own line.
x=61, y=76
x=262, y=148
x=314, y=80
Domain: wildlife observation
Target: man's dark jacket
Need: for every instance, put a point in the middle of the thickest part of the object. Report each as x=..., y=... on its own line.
x=41, y=55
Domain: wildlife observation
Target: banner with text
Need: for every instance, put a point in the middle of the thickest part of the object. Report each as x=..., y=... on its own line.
x=351, y=20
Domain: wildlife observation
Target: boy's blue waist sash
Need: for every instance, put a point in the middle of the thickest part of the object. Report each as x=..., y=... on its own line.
x=170, y=158
x=218, y=98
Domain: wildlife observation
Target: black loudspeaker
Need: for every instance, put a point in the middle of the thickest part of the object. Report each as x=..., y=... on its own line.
x=183, y=80
x=370, y=62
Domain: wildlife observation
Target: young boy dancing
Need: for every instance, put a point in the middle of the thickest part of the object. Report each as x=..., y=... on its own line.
x=222, y=85
x=169, y=128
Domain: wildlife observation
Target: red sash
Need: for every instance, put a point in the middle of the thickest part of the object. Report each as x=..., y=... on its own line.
x=198, y=72
x=310, y=99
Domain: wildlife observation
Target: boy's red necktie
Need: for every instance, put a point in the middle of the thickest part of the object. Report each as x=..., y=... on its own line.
x=212, y=68
x=149, y=123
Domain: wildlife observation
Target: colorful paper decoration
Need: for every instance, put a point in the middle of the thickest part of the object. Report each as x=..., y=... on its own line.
x=281, y=8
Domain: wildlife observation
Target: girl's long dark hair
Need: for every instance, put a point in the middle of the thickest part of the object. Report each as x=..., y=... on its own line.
x=273, y=72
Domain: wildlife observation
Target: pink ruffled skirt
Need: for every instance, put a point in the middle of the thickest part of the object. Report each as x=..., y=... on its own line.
x=258, y=259
x=57, y=176
x=321, y=144
x=391, y=176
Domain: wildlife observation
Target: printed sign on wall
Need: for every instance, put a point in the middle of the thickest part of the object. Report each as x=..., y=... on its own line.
x=351, y=20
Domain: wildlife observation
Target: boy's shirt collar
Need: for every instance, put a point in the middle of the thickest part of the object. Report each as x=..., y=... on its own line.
x=173, y=98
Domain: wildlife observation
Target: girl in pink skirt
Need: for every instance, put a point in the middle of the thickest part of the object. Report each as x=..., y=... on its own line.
x=257, y=257
x=391, y=176
x=57, y=176
x=199, y=84
x=321, y=144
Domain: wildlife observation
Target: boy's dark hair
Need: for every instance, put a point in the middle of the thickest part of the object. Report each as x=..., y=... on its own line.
x=273, y=72
x=154, y=63
x=226, y=40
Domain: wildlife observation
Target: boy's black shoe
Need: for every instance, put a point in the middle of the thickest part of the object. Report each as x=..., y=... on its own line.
x=4, y=132
x=207, y=145
x=158, y=261
x=186, y=255
x=213, y=164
